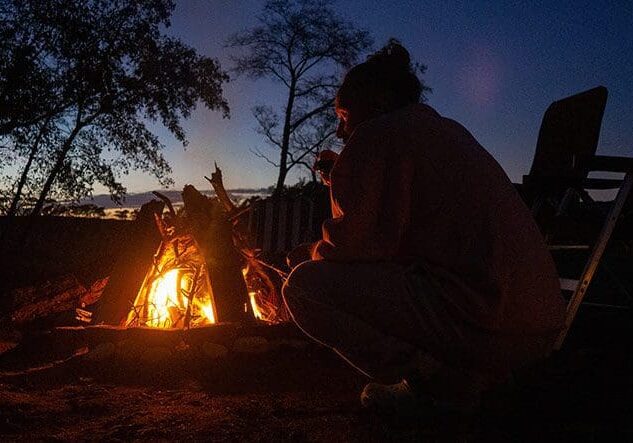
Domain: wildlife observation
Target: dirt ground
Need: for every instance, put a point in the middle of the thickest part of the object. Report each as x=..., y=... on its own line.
x=305, y=393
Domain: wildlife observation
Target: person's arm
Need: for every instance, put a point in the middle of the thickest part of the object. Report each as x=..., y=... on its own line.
x=371, y=194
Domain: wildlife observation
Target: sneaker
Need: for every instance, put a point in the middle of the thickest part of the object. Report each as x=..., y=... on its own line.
x=395, y=398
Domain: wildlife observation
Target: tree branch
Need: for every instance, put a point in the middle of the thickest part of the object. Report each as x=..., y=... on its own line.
x=262, y=156
x=310, y=114
x=315, y=87
x=312, y=148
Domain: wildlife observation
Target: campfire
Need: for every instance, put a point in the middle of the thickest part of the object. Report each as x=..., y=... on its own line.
x=205, y=269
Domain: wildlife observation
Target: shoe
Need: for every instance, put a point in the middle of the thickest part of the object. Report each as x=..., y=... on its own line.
x=396, y=398
x=401, y=398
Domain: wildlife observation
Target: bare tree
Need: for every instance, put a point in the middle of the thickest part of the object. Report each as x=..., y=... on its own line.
x=302, y=44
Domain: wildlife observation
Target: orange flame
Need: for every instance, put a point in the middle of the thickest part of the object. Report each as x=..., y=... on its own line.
x=167, y=306
x=256, y=312
x=172, y=299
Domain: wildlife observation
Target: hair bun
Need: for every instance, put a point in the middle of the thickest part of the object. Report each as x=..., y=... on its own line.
x=392, y=57
x=386, y=81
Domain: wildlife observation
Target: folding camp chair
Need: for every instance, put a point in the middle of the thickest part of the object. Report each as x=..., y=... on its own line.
x=565, y=154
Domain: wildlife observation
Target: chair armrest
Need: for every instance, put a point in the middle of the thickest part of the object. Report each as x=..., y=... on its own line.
x=609, y=163
x=552, y=183
x=601, y=183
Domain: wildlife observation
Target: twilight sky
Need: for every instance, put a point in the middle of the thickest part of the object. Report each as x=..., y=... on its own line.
x=493, y=66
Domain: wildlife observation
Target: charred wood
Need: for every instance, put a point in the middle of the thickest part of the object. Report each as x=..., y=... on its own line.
x=130, y=269
x=259, y=275
x=213, y=232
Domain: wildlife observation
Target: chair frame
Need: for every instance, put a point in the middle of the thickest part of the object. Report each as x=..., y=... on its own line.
x=564, y=156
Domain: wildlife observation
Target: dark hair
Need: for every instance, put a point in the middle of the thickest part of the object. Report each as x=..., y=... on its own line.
x=386, y=77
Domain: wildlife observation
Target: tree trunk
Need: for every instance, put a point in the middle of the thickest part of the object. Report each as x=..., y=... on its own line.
x=56, y=168
x=46, y=300
x=18, y=192
x=25, y=172
x=285, y=141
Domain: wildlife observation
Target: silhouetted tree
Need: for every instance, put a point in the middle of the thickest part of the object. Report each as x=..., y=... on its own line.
x=300, y=44
x=107, y=69
x=28, y=88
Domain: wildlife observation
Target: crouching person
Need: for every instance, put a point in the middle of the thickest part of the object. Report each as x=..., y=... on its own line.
x=431, y=276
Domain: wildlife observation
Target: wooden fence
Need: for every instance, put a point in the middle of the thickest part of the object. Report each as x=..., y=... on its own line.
x=280, y=224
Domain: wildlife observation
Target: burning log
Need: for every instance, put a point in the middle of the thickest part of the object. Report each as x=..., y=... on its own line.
x=195, y=278
x=176, y=292
x=127, y=275
x=262, y=280
x=218, y=186
x=214, y=235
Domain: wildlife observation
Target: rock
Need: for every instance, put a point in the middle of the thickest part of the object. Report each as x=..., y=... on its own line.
x=129, y=350
x=101, y=352
x=9, y=339
x=289, y=343
x=6, y=346
x=155, y=354
x=251, y=345
x=214, y=351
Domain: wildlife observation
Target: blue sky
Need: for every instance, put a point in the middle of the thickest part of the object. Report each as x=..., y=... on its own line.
x=493, y=66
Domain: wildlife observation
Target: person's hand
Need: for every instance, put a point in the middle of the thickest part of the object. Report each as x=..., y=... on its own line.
x=324, y=164
x=299, y=254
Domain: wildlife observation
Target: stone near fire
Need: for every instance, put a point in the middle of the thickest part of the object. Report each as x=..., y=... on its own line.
x=101, y=352
x=289, y=343
x=6, y=346
x=9, y=339
x=155, y=354
x=129, y=350
x=251, y=345
x=214, y=351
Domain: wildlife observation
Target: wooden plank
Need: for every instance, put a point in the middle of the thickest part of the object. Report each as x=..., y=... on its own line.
x=268, y=225
x=296, y=222
x=611, y=163
x=308, y=233
x=567, y=247
x=281, y=225
x=568, y=284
